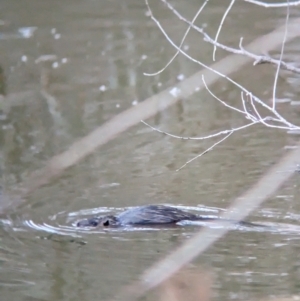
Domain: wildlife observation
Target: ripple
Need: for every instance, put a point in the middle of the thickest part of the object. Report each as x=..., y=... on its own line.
x=64, y=223
x=16, y=283
x=59, y=229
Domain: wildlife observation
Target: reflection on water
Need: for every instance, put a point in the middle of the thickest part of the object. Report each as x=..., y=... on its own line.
x=74, y=66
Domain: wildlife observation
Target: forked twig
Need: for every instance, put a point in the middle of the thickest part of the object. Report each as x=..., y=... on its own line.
x=182, y=41
x=275, y=121
x=258, y=59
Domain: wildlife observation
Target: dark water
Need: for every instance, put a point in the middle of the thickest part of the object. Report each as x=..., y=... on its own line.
x=98, y=51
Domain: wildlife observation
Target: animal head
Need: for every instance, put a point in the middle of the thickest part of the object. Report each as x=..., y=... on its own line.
x=101, y=221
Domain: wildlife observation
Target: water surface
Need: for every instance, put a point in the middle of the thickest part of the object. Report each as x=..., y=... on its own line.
x=97, y=54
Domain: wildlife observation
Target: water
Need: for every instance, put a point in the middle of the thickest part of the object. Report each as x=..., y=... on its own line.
x=90, y=58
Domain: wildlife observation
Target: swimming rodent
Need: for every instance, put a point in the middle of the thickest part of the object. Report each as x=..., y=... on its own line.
x=148, y=215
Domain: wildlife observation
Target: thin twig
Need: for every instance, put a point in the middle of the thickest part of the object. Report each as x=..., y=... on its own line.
x=269, y=5
x=256, y=99
x=224, y=132
x=220, y=27
x=257, y=58
x=281, y=56
x=182, y=41
x=223, y=102
x=206, y=151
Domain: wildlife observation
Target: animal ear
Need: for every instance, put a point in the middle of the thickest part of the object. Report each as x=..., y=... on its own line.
x=106, y=223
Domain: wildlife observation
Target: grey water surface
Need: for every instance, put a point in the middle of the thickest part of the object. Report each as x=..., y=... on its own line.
x=90, y=57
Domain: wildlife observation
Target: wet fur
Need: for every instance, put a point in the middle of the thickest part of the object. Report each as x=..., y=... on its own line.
x=144, y=215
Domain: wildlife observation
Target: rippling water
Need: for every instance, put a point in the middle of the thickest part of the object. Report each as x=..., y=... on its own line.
x=64, y=223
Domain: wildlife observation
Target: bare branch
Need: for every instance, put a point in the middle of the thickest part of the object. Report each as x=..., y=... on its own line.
x=182, y=41
x=256, y=99
x=220, y=26
x=224, y=132
x=206, y=151
x=273, y=120
x=257, y=58
x=266, y=59
x=268, y=5
x=224, y=103
x=281, y=56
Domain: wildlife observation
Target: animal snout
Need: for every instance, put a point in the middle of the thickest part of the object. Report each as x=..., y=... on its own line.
x=90, y=222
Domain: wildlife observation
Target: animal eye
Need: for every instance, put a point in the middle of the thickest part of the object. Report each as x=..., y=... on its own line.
x=106, y=223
